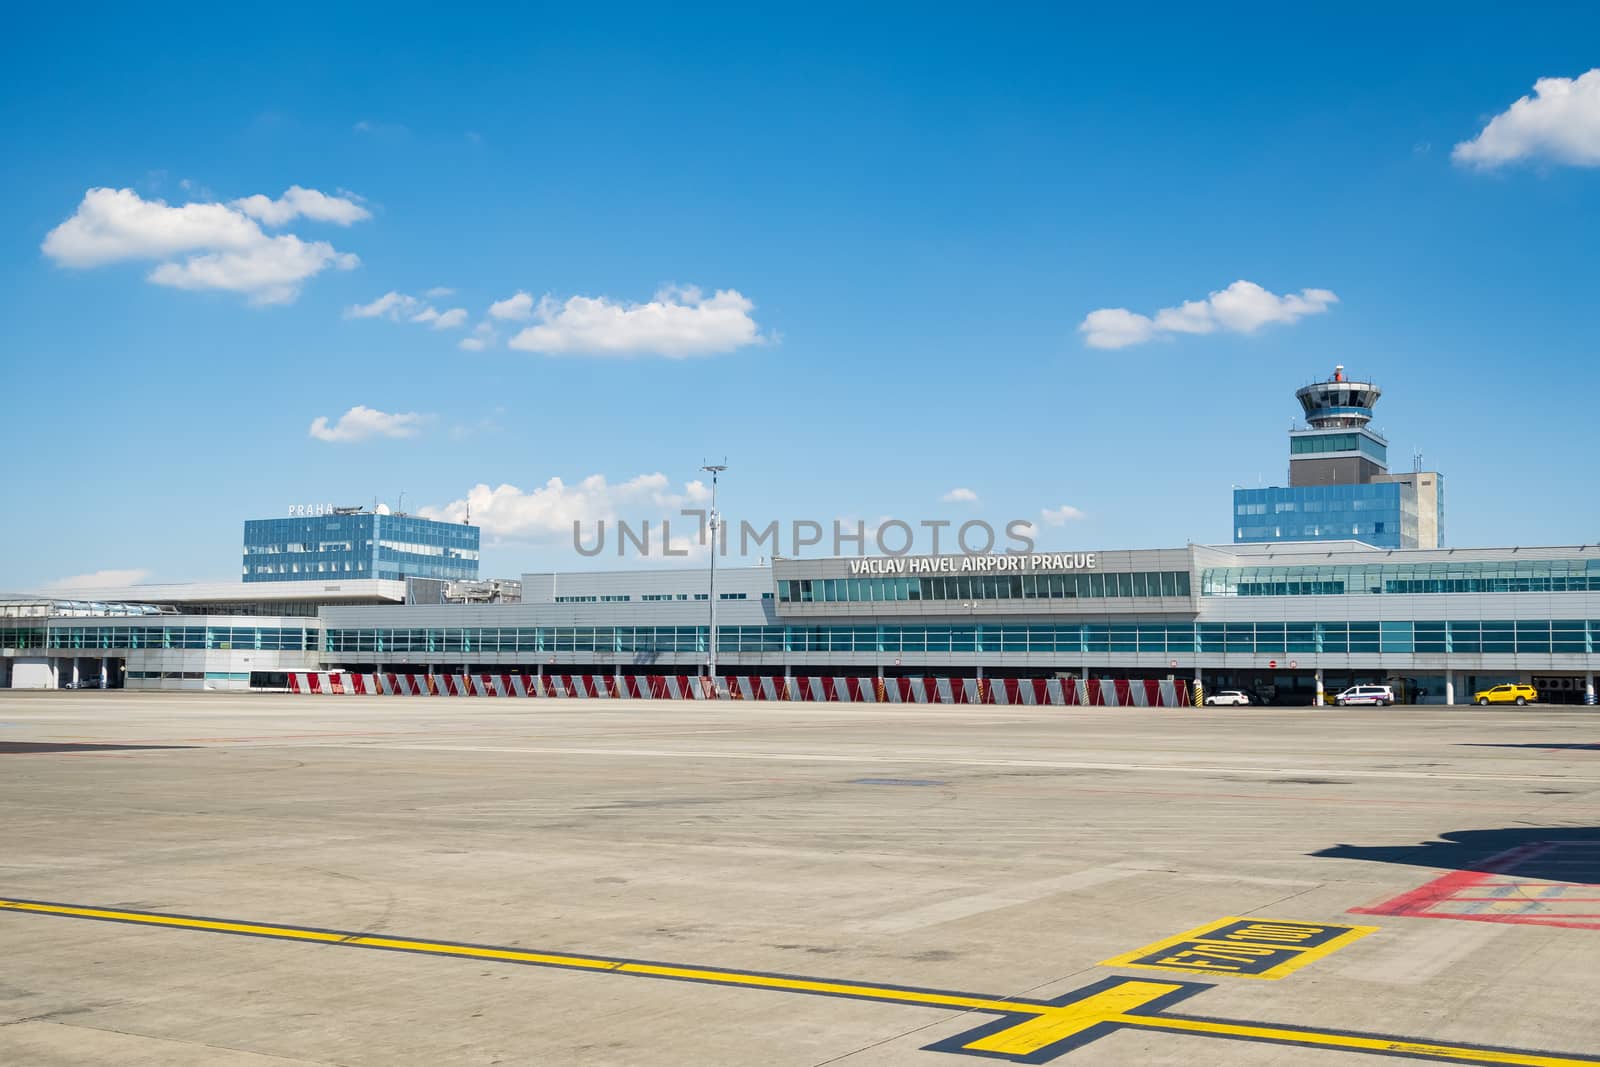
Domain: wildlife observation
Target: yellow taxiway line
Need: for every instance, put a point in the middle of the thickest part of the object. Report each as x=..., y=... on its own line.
x=1028, y=1031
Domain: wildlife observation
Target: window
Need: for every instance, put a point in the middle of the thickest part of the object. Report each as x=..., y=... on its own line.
x=1478, y=576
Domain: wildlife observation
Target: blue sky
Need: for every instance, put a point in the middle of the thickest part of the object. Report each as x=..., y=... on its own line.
x=908, y=218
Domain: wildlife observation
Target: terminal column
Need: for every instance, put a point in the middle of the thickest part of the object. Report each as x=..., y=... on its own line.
x=1317, y=700
x=1588, y=688
x=1449, y=687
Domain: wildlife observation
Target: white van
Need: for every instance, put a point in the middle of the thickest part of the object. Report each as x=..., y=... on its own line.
x=1376, y=695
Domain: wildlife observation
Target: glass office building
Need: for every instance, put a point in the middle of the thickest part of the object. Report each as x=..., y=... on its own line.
x=1381, y=514
x=351, y=543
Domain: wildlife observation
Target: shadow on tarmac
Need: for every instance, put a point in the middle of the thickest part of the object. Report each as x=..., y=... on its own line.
x=1592, y=747
x=1575, y=857
x=23, y=748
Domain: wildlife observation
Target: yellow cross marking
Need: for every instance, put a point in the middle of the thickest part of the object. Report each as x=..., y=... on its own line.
x=1027, y=1031
x=1057, y=1024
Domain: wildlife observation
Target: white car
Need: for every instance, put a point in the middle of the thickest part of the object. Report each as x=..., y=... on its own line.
x=1377, y=695
x=1228, y=697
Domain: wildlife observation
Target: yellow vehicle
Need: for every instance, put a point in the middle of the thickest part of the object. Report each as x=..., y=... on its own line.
x=1507, y=694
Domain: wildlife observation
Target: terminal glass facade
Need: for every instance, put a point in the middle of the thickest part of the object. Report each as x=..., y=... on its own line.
x=1484, y=576
x=1381, y=514
x=1533, y=636
x=985, y=587
x=215, y=638
x=22, y=637
x=358, y=545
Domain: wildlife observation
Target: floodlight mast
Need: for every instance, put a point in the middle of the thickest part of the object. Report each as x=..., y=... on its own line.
x=714, y=469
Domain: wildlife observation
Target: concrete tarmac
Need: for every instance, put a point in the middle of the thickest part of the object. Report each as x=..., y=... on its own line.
x=983, y=855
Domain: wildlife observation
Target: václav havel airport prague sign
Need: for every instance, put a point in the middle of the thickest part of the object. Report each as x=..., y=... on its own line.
x=986, y=564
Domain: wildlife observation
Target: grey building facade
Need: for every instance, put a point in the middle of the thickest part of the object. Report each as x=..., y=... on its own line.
x=1281, y=620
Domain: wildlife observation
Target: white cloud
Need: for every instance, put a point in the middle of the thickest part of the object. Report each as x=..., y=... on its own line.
x=268, y=274
x=396, y=306
x=361, y=423
x=516, y=308
x=1115, y=328
x=484, y=335
x=390, y=305
x=1242, y=307
x=98, y=580
x=117, y=224
x=960, y=496
x=297, y=201
x=1061, y=516
x=548, y=512
x=439, y=292
x=222, y=247
x=678, y=323
x=1560, y=122
x=441, y=320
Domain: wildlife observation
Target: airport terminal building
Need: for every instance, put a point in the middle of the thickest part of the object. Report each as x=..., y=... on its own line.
x=1267, y=618
x=1339, y=578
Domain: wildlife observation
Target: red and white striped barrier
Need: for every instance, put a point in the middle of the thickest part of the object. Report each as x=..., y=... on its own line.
x=1025, y=692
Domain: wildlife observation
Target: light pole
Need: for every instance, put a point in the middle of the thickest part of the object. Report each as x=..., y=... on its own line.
x=714, y=469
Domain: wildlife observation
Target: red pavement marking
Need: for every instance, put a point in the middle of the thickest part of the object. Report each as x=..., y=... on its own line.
x=1463, y=887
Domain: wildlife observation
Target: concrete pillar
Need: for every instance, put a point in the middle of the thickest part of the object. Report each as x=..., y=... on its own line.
x=73, y=678
x=880, y=672
x=1449, y=687
x=1318, y=699
x=1588, y=688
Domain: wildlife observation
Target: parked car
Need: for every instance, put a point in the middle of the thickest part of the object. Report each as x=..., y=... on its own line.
x=1228, y=697
x=1378, y=696
x=1507, y=694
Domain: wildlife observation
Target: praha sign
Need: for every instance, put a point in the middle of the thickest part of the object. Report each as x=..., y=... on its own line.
x=309, y=511
x=990, y=564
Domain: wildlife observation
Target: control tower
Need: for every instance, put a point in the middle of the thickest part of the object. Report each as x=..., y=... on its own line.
x=1338, y=447
x=1340, y=487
